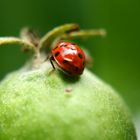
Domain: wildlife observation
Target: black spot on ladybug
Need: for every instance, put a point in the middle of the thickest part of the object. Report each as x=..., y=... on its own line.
x=65, y=61
x=57, y=53
x=76, y=68
x=63, y=45
x=80, y=55
x=72, y=48
x=73, y=44
x=83, y=63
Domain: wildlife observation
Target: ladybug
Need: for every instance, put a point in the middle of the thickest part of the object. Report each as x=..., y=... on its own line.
x=69, y=57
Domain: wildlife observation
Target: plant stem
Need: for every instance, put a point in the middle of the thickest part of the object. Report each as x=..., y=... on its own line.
x=84, y=34
x=47, y=40
x=17, y=41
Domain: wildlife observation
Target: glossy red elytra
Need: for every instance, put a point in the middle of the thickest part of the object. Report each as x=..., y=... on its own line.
x=69, y=57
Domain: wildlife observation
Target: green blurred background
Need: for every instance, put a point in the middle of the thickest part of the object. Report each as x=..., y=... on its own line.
x=116, y=57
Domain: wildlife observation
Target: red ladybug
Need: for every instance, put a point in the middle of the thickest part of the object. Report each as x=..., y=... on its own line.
x=69, y=57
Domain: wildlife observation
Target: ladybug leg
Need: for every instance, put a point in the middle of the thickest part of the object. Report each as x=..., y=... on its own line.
x=51, y=61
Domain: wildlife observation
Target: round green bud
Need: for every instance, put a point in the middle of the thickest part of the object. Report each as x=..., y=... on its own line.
x=42, y=104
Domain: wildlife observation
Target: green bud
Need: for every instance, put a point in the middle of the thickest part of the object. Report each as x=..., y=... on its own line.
x=42, y=104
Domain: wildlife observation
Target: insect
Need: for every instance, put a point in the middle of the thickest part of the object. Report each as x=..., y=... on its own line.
x=69, y=57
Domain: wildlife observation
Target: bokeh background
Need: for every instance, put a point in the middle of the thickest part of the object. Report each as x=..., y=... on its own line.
x=116, y=57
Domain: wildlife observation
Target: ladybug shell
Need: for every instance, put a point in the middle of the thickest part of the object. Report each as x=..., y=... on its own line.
x=69, y=57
